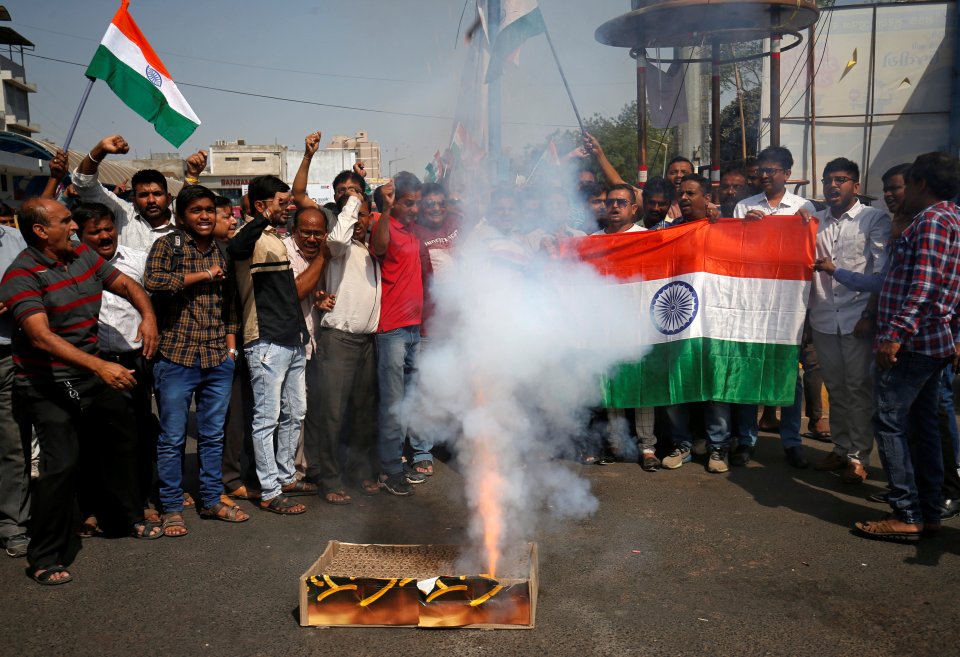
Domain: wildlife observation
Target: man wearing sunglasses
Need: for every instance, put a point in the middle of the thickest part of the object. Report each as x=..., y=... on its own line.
x=853, y=236
x=621, y=206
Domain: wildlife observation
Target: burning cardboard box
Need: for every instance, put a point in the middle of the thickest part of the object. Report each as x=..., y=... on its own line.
x=354, y=585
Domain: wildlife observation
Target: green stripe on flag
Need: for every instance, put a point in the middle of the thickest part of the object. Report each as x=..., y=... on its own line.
x=140, y=95
x=702, y=369
x=511, y=38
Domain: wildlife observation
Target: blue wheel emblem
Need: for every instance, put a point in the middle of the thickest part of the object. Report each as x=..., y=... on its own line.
x=153, y=76
x=674, y=307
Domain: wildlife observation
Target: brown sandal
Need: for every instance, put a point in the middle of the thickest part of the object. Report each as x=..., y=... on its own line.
x=885, y=530
x=283, y=505
x=225, y=512
x=174, y=521
x=370, y=487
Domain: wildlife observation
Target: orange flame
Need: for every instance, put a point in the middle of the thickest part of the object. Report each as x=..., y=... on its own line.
x=489, y=504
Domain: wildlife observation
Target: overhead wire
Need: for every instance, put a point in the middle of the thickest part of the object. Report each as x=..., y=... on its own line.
x=315, y=103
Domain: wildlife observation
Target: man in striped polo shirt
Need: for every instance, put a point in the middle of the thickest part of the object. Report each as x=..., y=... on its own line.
x=74, y=399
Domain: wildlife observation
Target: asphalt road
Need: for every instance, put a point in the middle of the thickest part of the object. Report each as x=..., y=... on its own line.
x=757, y=562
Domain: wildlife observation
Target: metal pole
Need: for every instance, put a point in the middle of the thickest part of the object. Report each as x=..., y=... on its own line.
x=743, y=120
x=76, y=117
x=563, y=76
x=641, y=117
x=775, y=40
x=715, y=116
x=955, y=88
x=493, y=98
x=812, y=95
x=73, y=127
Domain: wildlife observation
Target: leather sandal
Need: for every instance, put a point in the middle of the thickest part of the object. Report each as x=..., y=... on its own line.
x=885, y=530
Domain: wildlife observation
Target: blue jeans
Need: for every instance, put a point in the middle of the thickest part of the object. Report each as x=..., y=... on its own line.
x=679, y=417
x=278, y=381
x=908, y=395
x=725, y=420
x=175, y=387
x=947, y=408
x=397, y=353
x=790, y=419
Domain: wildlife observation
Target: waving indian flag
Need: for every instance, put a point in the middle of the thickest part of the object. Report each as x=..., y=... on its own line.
x=721, y=306
x=129, y=66
x=521, y=19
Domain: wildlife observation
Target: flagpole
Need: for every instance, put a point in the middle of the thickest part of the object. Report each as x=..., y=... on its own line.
x=73, y=126
x=563, y=76
x=536, y=164
x=76, y=117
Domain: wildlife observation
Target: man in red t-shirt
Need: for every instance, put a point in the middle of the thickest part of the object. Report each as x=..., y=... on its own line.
x=397, y=248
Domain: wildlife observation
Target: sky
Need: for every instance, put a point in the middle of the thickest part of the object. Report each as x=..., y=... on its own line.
x=386, y=55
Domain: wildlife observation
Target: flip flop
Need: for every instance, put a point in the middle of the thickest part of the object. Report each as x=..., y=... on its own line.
x=43, y=576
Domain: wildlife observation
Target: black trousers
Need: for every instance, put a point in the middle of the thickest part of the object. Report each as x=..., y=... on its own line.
x=148, y=426
x=346, y=397
x=237, y=443
x=82, y=417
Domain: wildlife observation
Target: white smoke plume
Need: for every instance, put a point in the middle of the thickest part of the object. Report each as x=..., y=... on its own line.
x=507, y=380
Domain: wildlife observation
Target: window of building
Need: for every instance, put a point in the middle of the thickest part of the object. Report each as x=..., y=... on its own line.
x=232, y=159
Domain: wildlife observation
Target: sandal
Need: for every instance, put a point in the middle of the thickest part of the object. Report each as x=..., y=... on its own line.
x=337, y=497
x=147, y=530
x=174, y=521
x=151, y=515
x=300, y=487
x=283, y=505
x=424, y=467
x=884, y=530
x=225, y=512
x=188, y=500
x=370, y=487
x=43, y=576
x=89, y=528
x=244, y=493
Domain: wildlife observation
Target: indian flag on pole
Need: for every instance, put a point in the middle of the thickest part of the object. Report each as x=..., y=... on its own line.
x=129, y=66
x=521, y=19
x=721, y=306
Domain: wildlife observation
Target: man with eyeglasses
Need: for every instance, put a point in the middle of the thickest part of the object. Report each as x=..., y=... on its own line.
x=306, y=250
x=854, y=237
x=773, y=166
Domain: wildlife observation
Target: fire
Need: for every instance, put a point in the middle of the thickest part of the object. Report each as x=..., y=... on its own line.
x=489, y=504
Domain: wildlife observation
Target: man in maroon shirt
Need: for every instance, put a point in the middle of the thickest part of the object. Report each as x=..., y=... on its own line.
x=397, y=248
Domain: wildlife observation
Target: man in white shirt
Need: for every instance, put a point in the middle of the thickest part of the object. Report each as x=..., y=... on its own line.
x=621, y=205
x=119, y=334
x=139, y=223
x=774, y=164
x=346, y=348
x=853, y=236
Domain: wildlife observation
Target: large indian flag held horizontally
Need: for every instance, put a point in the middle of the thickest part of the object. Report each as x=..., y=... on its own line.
x=127, y=63
x=721, y=305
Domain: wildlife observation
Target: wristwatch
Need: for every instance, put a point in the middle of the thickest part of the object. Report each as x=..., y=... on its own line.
x=233, y=352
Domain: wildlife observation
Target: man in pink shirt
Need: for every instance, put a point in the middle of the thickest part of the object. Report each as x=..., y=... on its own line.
x=397, y=247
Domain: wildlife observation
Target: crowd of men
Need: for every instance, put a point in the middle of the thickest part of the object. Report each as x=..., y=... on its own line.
x=295, y=332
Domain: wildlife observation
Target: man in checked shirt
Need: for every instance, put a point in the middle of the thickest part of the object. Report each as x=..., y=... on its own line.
x=918, y=334
x=198, y=326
